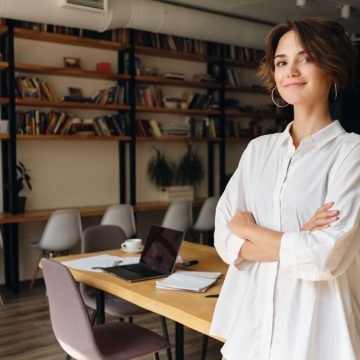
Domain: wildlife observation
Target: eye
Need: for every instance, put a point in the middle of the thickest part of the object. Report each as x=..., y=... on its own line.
x=280, y=63
x=306, y=59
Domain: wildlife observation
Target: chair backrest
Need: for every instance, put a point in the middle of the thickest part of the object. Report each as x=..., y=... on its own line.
x=178, y=216
x=206, y=218
x=69, y=318
x=62, y=231
x=121, y=215
x=102, y=237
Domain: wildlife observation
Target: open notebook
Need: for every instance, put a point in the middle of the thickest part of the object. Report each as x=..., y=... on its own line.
x=198, y=281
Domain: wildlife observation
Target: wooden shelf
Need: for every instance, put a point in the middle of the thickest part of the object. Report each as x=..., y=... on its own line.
x=178, y=83
x=68, y=39
x=250, y=114
x=174, y=139
x=73, y=138
x=85, y=211
x=70, y=105
x=177, y=111
x=241, y=140
x=4, y=101
x=242, y=64
x=4, y=136
x=3, y=65
x=247, y=89
x=3, y=29
x=38, y=69
x=143, y=50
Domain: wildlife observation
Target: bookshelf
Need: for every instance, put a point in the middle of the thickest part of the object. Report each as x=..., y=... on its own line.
x=126, y=145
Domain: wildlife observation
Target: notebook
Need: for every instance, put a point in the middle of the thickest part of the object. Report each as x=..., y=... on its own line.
x=157, y=258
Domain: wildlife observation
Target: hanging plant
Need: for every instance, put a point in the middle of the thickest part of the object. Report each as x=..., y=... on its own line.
x=190, y=170
x=160, y=170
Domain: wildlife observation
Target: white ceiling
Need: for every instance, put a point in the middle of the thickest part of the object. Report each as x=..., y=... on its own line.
x=275, y=11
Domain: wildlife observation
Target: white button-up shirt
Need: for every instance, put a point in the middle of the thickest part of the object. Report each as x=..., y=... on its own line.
x=306, y=306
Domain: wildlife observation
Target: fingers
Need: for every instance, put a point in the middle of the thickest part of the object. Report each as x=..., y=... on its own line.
x=325, y=207
x=327, y=214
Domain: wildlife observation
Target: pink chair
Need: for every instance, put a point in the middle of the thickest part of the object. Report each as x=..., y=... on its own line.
x=72, y=328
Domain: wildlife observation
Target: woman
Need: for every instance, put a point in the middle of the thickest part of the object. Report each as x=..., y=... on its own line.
x=292, y=291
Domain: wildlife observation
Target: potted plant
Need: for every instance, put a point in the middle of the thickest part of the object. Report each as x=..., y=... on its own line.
x=22, y=179
x=189, y=173
x=161, y=170
x=190, y=170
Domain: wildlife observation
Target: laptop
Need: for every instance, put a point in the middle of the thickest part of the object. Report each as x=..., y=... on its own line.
x=157, y=259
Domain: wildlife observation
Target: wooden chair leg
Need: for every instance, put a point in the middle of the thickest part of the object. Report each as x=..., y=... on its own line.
x=165, y=335
x=36, y=270
x=1, y=301
x=156, y=356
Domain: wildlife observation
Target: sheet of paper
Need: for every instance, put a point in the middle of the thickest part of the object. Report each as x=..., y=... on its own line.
x=92, y=263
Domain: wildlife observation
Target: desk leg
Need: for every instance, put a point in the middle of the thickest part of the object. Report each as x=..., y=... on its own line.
x=179, y=341
x=11, y=257
x=100, y=307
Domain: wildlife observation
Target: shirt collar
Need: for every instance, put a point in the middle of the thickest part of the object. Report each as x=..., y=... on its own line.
x=320, y=138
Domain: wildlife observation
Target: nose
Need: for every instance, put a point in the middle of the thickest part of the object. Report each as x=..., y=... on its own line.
x=293, y=70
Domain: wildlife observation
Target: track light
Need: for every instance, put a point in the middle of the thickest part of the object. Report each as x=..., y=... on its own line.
x=345, y=11
x=301, y=3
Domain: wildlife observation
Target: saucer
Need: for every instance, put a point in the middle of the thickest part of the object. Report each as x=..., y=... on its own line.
x=133, y=251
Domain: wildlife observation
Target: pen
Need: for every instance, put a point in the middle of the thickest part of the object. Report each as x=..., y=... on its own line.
x=212, y=296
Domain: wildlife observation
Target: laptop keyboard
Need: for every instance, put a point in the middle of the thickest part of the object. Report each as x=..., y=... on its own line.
x=141, y=270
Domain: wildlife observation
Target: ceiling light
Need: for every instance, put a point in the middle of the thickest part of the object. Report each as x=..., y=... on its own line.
x=301, y=3
x=345, y=11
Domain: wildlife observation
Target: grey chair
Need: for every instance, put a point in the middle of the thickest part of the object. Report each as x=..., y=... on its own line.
x=62, y=232
x=178, y=216
x=121, y=215
x=76, y=335
x=205, y=222
x=102, y=238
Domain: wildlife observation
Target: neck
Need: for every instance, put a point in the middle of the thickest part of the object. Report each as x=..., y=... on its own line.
x=308, y=121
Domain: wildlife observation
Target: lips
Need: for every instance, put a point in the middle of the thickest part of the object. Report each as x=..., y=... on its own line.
x=295, y=84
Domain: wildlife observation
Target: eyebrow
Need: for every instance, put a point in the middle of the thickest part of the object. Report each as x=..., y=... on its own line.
x=283, y=55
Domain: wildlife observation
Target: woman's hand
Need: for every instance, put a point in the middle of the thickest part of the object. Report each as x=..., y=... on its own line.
x=322, y=218
x=239, y=223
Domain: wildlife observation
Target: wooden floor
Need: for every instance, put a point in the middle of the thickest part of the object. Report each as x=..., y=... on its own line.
x=26, y=333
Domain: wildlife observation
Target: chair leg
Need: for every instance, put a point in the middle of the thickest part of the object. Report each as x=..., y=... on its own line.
x=204, y=347
x=156, y=356
x=1, y=301
x=93, y=317
x=166, y=335
x=36, y=270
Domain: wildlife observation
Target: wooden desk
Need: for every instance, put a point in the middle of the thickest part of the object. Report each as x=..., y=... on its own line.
x=11, y=221
x=189, y=309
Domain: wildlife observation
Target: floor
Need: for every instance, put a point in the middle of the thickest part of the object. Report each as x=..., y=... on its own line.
x=26, y=333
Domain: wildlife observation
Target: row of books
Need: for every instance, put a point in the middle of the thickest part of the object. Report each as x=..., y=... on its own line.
x=111, y=95
x=35, y=122
x=194, y=127
x=154, y=40
x=150, y=96
x=116, y=35
x=34, y=88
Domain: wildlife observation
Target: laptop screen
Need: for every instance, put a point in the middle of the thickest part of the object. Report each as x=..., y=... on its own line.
x=161, y=248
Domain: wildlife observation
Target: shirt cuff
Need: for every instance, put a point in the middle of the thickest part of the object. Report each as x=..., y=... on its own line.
x=234, y=245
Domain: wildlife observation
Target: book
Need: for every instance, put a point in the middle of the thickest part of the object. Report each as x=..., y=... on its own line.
x=197, y=281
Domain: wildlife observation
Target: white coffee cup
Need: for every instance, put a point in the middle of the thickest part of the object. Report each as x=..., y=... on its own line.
x=132, y=245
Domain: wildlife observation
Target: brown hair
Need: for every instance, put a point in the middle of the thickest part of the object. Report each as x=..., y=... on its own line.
x=326, y=43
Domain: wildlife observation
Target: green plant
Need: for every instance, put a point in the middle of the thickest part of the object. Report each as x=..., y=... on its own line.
x=161, y=170
x=22, y=177
x=190, y=170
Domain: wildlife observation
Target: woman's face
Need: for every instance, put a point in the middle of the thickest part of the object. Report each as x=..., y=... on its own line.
x=298, y=80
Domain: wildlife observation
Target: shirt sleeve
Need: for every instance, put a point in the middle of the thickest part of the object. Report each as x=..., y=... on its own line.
x=326, y=254
x=232, y=200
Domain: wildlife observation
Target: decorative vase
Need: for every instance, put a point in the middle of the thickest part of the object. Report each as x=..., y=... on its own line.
x=21, y=204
